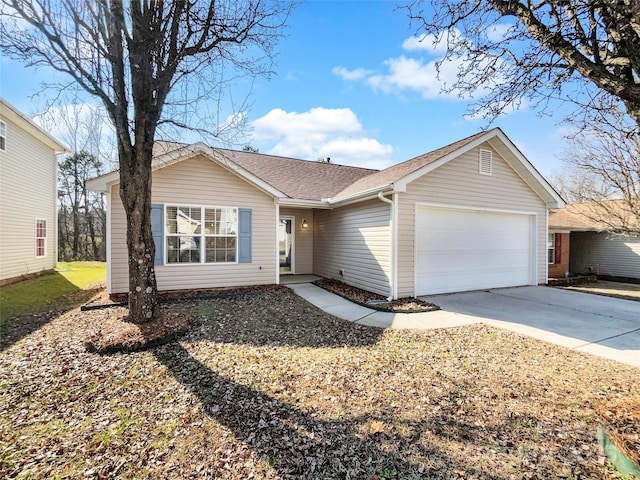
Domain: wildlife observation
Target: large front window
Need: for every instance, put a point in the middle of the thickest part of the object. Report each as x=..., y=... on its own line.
x=201, y=234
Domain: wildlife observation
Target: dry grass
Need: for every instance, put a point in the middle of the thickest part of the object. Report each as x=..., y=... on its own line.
x=267, y=386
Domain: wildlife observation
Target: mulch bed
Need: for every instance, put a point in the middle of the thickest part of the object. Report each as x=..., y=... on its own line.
x=364, y=298
x=112, y=332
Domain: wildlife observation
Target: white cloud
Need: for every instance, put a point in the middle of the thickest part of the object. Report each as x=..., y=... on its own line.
x=426, y=43
x=320, y=133
x=497, y=32
x=346, y=74
x=417, y=75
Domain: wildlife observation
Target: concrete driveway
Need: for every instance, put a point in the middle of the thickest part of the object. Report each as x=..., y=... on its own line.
x=604, y=326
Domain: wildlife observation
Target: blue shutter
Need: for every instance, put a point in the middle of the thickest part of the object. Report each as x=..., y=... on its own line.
x=157, y=230
x=244, y=235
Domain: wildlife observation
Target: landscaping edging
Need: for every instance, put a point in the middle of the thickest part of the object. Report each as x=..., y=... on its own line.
x=617, y=458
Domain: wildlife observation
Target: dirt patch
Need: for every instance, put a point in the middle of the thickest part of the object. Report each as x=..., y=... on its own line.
x=626, y=291
x=267, y=386
x=375, y=300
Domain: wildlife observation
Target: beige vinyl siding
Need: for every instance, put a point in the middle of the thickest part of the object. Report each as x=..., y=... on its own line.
x=201, y=182
x=458, y=183
x=303, y=239
x=616, y=255
x=27, y=191
x=357, y=240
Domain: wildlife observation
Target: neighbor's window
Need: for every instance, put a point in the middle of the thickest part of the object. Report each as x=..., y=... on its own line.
x=551, y=248
x=201, y=234
x=41, y=237
x=3, y=136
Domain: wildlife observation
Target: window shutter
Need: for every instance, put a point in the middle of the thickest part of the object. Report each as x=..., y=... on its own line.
x=558, y=244
x=244, y=235
x=485, y=162
x=157, y=230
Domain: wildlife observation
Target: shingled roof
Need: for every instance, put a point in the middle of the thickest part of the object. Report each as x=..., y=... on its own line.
x=608, y=215
x=299, y=179
x=400, y=170
x=311, y=181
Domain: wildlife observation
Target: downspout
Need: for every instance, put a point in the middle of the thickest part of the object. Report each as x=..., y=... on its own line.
x=390, y=202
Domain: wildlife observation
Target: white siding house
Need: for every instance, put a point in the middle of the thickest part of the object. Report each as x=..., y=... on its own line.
x=28, y=196
x=467, y=216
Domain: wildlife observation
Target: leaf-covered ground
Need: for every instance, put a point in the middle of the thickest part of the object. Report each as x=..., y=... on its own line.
x=268, y=387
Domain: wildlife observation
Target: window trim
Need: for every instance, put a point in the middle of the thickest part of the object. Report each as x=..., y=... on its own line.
x=551, y=247
x=43, y=238
x=3, y=136
x=203, y=236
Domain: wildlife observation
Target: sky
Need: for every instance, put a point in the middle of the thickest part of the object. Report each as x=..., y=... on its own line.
x=351, y=83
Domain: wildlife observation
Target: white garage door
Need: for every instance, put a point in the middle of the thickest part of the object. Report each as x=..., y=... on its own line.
x=460, y=250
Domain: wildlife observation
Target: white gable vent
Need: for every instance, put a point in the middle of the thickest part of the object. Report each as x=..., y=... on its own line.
x=485, y=162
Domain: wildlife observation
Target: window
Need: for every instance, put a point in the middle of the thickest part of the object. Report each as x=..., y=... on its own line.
x=551, y=248
x=41, y=238
x=201, y=234
x=485, y=162
x=3, y=136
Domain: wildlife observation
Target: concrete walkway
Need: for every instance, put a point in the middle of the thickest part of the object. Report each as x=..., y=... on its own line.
x=598, y=325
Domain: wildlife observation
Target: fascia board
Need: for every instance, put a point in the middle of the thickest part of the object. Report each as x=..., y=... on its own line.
x=17, y=117
x=103, y=182
x=527, y=171
x=360, y=196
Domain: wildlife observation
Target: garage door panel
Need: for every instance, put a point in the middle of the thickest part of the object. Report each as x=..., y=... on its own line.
x=461, y=250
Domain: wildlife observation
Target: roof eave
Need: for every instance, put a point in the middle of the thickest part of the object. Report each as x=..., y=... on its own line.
x=302, y=203
x=525, y=169
x=19, y=118
x=104, y=182
x=360, y=196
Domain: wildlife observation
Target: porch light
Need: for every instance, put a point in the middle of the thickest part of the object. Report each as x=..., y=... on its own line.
x=305, y=224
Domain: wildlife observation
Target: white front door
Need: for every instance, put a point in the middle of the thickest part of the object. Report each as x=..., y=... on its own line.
x=286, y=237
x=458, y=250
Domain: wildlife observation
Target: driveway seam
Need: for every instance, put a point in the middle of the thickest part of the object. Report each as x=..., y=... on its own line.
x=608, y=338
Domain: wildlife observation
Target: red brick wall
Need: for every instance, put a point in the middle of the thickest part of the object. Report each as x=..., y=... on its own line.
x=557, y=270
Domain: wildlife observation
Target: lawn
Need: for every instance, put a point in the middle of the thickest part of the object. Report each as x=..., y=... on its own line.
x=38, y=294
x=27, y=304
x=266, y=386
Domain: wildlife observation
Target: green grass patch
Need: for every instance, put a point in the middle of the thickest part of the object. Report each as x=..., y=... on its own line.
x=50, y=291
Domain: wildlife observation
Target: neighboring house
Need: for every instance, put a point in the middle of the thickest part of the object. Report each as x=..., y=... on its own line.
x=586, y=236
x=467, y=216
x=28, y=196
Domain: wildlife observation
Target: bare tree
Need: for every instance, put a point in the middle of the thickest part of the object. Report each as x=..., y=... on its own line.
x=531, y=50
x=132, y=55
x=603, y=170
x=81, y=211
x=83, y=127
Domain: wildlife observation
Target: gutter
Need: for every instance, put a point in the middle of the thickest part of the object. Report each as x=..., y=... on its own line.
x=359, y=196
x=392, y=261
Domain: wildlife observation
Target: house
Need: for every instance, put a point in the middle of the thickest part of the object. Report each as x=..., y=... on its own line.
x=467, y=216
x=28, y=196
x=586, y=240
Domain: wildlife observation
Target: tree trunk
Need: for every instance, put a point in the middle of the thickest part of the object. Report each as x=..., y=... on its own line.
x=135, y=192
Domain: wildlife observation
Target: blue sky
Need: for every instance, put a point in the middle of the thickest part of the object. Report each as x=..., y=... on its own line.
x=352, y=84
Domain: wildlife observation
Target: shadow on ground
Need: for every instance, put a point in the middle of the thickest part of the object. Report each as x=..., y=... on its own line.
x=300, y=444
x=29, y=305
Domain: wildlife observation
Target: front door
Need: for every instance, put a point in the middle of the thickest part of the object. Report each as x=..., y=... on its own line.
x=285, y=244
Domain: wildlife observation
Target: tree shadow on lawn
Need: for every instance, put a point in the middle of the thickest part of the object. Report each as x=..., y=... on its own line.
x=300, y=444
x=29, y=305
x=276, y=317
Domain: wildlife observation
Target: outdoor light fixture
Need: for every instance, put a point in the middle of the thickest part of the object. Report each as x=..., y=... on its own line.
x=305, y=224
